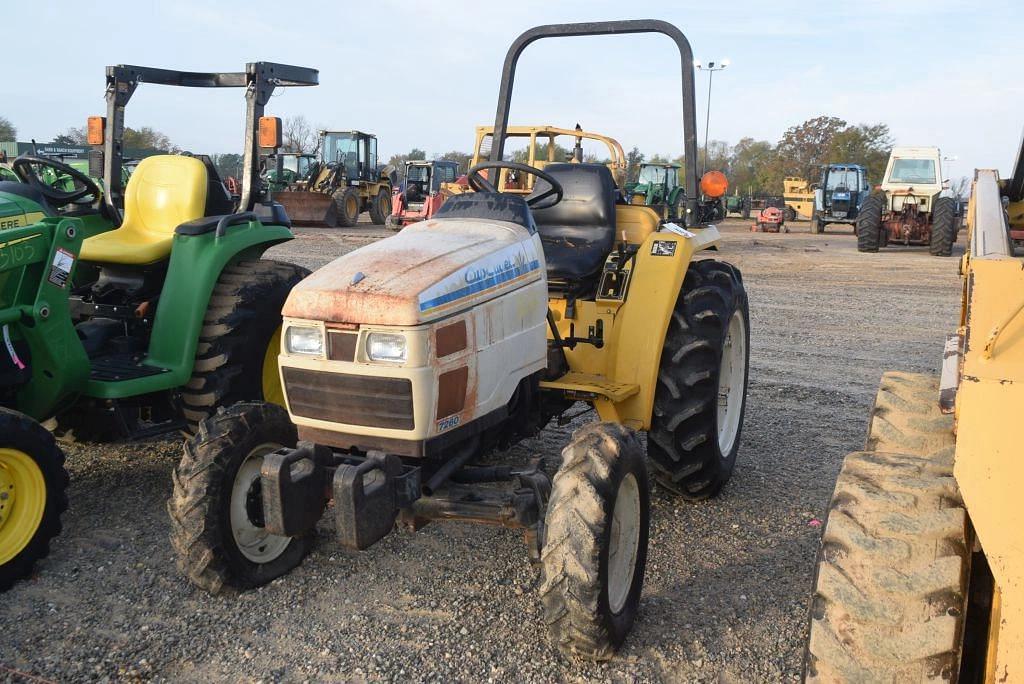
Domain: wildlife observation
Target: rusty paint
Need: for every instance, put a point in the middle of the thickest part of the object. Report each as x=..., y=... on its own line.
x=397, y=269
x=451, y=392
x=341, y=346
x=450, y=339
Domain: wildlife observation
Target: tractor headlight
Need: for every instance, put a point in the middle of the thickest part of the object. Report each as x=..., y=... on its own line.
x=386, y=347
x=304, y=340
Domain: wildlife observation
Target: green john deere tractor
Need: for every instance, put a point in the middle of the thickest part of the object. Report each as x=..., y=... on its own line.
x=658, y=186
x=131, y=309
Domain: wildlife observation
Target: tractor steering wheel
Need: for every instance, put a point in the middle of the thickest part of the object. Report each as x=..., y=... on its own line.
x=542, y=201
x=28, y=168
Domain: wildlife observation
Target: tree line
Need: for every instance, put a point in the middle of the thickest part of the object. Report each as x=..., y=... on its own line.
x=752, y=166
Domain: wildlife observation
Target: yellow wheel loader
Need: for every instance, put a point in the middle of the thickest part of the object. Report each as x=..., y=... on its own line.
x=405, y=362
x=345, y=182
x=920, y=576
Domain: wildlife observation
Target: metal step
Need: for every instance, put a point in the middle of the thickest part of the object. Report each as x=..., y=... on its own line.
x=118, y=367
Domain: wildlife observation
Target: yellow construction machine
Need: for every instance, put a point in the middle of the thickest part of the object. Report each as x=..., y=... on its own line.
x=542, y=148
x=343, y=183
x=799, y=198
x=920, y=575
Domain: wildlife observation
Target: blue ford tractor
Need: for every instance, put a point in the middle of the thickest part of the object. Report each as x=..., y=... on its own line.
x=838, y=198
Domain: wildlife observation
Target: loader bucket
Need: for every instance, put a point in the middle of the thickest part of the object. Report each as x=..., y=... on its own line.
x=309, y=208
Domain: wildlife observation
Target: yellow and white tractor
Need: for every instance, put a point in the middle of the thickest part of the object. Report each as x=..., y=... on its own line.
x=405, y=362
x=920, y=575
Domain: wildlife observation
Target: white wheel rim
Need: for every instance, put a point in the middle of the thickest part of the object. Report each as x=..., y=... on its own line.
x=255, y=543
x=732, y=378
x=624, y=543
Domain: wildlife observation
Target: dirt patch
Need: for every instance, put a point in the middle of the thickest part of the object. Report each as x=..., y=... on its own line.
x=728, y=580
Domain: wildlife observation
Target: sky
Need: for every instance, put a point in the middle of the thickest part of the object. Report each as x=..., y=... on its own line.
x=425, y=74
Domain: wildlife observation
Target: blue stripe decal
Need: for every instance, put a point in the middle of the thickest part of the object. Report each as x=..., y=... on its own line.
x=481, y=285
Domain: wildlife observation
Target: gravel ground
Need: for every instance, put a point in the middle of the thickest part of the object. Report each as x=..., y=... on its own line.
x=727, y=580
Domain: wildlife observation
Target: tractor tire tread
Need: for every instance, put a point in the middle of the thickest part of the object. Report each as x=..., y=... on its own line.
x=575, y=522
x=944, y=227
x=869, y=223
x=247, y=295
x=196, y=526
x=682, y=443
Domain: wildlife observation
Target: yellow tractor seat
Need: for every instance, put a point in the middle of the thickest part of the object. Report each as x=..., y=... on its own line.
x=163, y=192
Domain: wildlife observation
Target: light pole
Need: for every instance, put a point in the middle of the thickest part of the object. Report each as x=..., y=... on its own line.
x=711, y=68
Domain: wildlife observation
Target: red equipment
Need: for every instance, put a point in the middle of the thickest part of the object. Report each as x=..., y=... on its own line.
x=770, y=220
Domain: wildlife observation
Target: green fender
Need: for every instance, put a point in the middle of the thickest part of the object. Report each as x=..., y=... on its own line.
x=195, y=265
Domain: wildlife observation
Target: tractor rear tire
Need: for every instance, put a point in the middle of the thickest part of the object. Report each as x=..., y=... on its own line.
x=892, y=575
x=944, y=227
x=380, y=208
x=33, y=494
x=746, y=209
x=693, y=441
x=789, y=213
x=216, y=494
x=595, y=548
x=236, y=359
x=869, y=224
x=347, y=205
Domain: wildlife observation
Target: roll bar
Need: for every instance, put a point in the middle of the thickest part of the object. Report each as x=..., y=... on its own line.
x=605, y=28
x=259, y=80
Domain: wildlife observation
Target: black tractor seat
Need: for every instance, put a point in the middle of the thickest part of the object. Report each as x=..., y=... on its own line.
x=578, y=233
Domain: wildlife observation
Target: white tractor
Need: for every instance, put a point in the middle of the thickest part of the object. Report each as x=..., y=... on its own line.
x=911, y=208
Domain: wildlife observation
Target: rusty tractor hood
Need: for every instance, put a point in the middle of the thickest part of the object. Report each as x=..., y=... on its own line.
x=429, y=270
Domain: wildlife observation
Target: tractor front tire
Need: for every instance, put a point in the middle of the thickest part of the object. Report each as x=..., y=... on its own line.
x=236, y=359
x=393, y=223
x=869, y=224
x=380, y=208
x=595, y=548
x=694, y=436
x=944, y=227
x=347, y=205
x=892, y=575
x=789, y=213
x=216, y=508
x=33, y=494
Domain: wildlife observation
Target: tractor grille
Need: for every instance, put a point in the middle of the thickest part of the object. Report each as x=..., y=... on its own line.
x=841, y=205
x=350, y=399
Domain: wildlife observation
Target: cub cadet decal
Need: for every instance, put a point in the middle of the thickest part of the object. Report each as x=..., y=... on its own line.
x=510, y=265
x=448, y=423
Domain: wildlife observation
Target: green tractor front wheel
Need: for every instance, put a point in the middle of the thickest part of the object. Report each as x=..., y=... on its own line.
x=33, y=494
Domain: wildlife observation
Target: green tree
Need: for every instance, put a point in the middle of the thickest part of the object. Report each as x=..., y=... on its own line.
x=8, y=133
x=868, y=145
x=752, y=167
x=72, y=136
x=147, y=138
x=229, y=165
x=398, y=160
x=634, y=158
x=561, y=154
x=463, y=159
x=804, y=148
